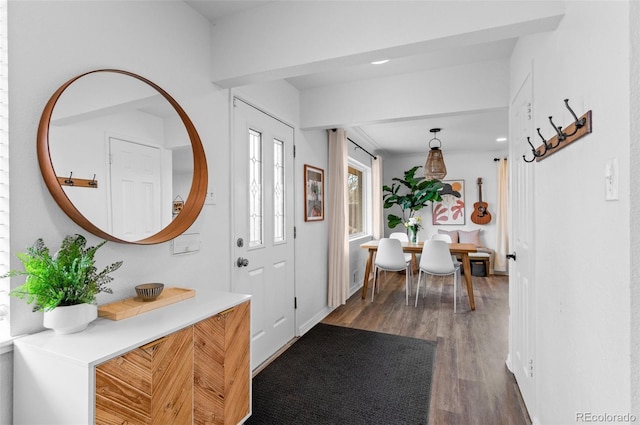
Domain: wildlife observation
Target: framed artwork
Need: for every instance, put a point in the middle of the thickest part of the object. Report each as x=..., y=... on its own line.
x=313, y=193
x=178, y=204
x=451, y=209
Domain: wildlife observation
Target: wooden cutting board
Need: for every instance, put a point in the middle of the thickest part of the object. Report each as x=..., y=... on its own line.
x=134, y=306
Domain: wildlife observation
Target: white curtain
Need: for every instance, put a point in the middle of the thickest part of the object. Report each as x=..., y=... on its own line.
x=376, y=201
x=502, y=245
x=338, y=216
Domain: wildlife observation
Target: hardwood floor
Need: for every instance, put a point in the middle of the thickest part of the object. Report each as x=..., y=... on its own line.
x=471, y=383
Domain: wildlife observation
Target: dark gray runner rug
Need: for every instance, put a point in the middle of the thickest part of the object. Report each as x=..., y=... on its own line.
x=336, y=375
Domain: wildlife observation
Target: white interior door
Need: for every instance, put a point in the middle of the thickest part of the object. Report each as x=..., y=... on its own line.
x=521, y=270
x=263, y=212
x=136, y=201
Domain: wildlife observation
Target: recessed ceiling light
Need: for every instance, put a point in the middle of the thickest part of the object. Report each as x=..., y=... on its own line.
x=501, y=139
x=380, y=62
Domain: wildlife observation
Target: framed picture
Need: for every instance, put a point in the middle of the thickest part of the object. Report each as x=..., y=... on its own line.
x=178, y=204
x=451, y=209
x=313, y=193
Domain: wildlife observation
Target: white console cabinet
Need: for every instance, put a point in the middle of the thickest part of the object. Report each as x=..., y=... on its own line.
x=119, y=371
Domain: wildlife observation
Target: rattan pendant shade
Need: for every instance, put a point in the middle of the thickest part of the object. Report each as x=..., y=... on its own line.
x=434, y=168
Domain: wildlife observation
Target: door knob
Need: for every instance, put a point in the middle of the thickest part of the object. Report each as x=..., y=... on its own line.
x=511, y=256
x=242, y=262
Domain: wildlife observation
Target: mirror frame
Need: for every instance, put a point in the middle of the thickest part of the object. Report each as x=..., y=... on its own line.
x=193, y=203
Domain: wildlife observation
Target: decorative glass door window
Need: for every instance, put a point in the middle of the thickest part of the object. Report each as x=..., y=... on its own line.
x=278, y=191
x=256, y=206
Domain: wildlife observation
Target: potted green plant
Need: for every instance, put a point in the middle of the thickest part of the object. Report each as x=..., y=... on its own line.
x=64, y=286
x=416, y=193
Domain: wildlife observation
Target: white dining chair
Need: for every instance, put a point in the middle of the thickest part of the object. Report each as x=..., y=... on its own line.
x=402, y=237
x=436, y=260
x=447, y=239
x=390, y=258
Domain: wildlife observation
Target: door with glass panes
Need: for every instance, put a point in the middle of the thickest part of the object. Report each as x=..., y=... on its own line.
x=263, y=212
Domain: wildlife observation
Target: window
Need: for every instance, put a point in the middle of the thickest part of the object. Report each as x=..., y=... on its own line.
x=358, y=197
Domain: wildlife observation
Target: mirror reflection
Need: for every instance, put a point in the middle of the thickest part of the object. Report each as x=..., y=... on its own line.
x=121, y=154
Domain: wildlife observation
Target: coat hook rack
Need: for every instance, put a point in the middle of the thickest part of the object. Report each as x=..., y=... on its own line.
x=71, y=181
x=579, y=128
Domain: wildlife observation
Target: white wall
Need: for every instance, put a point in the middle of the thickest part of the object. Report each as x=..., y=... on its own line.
x=51, y=42
x=450, y=90
x=467, y=166
x=323, y=35
x=168, y=43
x=153, y=45
x=313, y=236
x=634, y=24
x=582, y=241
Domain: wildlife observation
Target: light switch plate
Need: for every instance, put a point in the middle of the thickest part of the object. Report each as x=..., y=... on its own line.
x=211, y=195
x=611, y=180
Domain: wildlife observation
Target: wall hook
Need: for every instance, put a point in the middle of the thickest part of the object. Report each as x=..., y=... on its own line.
x=561, y=135
x=579, y=128
x=577, y=123
x=533, y=150
x=76, y=182
x=547, y=144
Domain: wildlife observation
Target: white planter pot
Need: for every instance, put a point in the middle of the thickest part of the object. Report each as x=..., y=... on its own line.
x=70, y=319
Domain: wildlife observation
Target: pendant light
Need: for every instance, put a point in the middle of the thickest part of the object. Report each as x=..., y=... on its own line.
x=434, y=168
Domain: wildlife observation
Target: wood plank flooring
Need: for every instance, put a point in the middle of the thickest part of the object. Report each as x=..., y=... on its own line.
x=471, y=384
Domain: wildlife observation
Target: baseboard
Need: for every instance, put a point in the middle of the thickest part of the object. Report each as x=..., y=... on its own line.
x=353, y=290
x=317, y=318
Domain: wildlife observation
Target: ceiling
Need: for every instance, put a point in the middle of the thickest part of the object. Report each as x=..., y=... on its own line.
x=474, y=131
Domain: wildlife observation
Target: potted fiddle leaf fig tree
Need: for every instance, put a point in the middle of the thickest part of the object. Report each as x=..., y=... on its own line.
x=64, y=285
x=411, y=194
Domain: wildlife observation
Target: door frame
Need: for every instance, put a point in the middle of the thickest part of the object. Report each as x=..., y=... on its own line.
x=515, y=312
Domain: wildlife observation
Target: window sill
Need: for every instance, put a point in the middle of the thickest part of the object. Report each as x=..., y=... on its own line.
x=6, y=341
x=363, y=237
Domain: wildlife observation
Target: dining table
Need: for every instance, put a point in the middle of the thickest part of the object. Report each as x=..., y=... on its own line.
x=460, y=250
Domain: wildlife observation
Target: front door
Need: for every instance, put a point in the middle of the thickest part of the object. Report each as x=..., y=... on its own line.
x=521, y=271
x=263, y=212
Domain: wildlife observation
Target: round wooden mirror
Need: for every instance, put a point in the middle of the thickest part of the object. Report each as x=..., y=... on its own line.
x=122, y=158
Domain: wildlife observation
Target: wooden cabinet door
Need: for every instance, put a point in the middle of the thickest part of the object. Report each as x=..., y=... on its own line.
x=222, y=367
x=149, y=385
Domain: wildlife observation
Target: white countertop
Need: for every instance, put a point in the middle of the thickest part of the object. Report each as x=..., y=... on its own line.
x=105, y=339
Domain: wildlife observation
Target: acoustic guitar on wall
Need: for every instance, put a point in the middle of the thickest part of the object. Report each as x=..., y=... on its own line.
x=480, y=214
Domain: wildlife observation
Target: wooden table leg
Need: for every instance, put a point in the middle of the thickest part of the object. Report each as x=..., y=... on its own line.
x=466, y=264
x=367, y=271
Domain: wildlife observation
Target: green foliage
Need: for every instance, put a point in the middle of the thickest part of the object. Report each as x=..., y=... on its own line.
x=417, y=193
x=69, y=277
